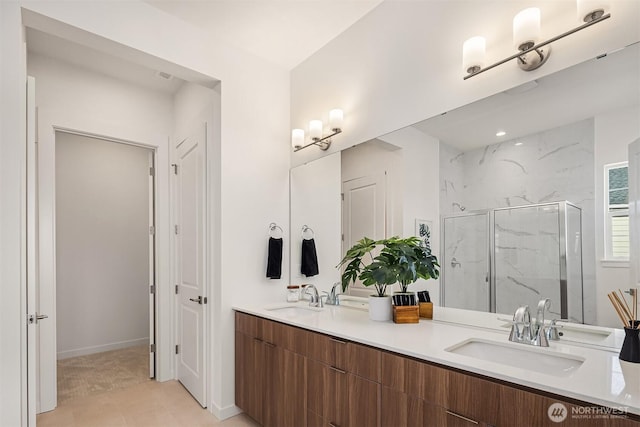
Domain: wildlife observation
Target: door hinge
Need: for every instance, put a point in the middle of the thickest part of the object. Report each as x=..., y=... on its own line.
x=152, y=348
x=177, y=351
x=175, y=229
x=342, y=196
x=176, y=289
x=152, y=230
x=343, y=237
x=152, y=171
x=175, y=168
x=152, y=289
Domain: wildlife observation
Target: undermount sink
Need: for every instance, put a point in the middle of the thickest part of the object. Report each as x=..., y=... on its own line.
x=525, y=357
x=294, y=311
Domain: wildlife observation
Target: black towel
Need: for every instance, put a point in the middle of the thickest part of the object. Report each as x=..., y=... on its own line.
x=309, y=265
x=274, y=259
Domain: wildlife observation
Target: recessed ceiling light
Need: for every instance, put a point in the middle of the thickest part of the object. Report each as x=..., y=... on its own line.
x=517, y=144
x=501, y=133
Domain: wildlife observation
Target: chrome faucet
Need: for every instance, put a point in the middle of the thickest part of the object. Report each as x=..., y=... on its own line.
x=333, y=296
x=543, y=305
x=314, y=297
x=521, y=330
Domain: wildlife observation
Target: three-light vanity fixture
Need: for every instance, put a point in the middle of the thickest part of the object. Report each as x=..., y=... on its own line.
x=336, y=118
x=526, y=37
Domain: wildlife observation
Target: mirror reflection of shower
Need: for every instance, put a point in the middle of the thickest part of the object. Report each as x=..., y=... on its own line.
x=499, y=259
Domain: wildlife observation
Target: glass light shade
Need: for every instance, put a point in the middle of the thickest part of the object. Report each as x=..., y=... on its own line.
x=590, y=9
x=473, y=53
x=315, y=129
x=297, y=138
x=336, y=117
x=526, y=27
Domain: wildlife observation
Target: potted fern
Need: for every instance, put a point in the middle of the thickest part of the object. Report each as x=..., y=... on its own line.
x=401, y=261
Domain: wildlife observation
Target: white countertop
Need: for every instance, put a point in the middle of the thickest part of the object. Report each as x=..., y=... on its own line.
x=602, y=379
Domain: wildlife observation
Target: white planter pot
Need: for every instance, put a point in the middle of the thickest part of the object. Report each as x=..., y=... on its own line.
x=380, y=308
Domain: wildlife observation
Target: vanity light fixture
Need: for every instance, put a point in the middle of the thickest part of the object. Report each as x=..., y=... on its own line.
x=532, y=53
x=336, y=117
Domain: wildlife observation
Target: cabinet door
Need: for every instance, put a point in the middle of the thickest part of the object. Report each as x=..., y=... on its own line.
x=248, y=382
x=320, y=389
x=426, y=381
x=271, y=385
x=363, y=402
x=292, y=391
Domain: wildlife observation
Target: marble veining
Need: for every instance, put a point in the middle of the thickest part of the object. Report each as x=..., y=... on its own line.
x=549, y=166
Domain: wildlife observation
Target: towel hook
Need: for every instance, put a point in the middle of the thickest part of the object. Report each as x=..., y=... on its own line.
x=306, y=228
x=273, y=230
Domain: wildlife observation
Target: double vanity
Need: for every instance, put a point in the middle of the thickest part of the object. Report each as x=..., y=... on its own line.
x=306, y=366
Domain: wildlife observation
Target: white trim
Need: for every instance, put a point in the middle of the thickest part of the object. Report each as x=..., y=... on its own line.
x=226, y=412
x=608, y=214
x=614, y=263
x=100, y=348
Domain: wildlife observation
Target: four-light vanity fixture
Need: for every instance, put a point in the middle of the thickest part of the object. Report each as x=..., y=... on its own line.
x=526, y=36
x=315, y=132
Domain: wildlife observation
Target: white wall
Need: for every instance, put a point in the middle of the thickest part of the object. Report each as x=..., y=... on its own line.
x=315, y=202
x=254, y=151
x=614, y=131
x=420, y=198
x=401, y=63
x=102, y=245
x=12, y=248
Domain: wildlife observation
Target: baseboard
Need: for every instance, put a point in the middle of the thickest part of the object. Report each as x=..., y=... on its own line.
x=101, y=348
x=226, y=412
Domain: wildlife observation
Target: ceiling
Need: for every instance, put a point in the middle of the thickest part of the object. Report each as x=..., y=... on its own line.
x=285, y=32
x=568, y=96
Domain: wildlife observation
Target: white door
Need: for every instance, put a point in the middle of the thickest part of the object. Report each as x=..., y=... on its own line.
x=190, y=245
x=363, y=215
x=634, y=210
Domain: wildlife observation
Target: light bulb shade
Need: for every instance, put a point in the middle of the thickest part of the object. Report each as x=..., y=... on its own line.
x=336, y=117
x=297, y=138
x=473, y=54
x=315, y=129
x=588, y=10
x=526, y=27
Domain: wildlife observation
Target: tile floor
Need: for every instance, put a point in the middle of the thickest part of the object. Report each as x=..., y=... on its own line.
x=151, y=404
x=112, y=389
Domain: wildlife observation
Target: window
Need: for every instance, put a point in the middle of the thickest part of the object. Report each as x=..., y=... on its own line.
x=617, y=211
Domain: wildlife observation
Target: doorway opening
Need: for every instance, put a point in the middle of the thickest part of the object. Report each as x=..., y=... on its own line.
x=105, y=264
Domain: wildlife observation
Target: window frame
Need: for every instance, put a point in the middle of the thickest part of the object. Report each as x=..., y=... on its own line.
x=610, y=212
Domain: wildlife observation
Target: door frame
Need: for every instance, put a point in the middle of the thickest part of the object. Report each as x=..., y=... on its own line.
x=50, y=122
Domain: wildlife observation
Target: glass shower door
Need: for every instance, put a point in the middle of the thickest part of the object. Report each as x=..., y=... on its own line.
x=465, y=261
x=527, y=257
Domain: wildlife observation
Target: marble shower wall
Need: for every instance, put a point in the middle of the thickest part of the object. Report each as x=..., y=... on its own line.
x=553, y=165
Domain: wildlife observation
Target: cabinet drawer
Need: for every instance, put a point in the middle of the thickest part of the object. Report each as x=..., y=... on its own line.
x=427, y=382
x=473, y=398
x=247, y=324
x=328, y=350
x=364, y=361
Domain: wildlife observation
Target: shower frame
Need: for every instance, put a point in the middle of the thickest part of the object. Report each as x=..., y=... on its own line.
x=490, y=276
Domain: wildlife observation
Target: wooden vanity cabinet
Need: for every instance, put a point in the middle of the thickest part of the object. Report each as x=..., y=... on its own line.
x=292, y=377
x=270, y=380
